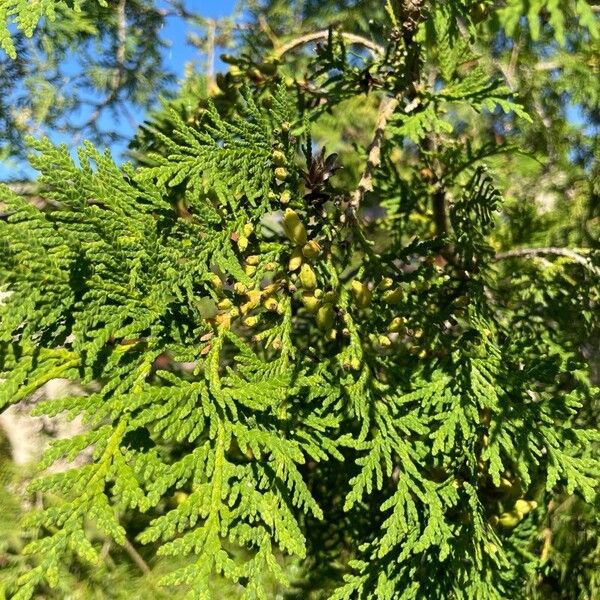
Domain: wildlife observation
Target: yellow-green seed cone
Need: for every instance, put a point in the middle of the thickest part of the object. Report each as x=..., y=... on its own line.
x=293, y=227
x=324, y=318
x=253, y=297
x=311, y=250
x=242, y=242
x=310, y=302
x=386, y=283
x=216, y=283
x=384, y=341
x=271, y=304
x=362, y=294
x=278, y=158
x=180, y=497
x=510, y=519
x=308, y=279
x=281, y=174
x=296, y=260
x=393, y=296
x=525, y=506
x=396, y=325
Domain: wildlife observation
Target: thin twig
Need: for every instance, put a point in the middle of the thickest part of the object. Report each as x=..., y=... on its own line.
x=121, y=44
x=412, y=13
x=386, y=110
x=574, y=255
x=136, y=557
x=266, y=29
x=177, y=9
x=117, y=74
x=547, y=65
x=323, y=35
x=23, y=188
x=211, y=26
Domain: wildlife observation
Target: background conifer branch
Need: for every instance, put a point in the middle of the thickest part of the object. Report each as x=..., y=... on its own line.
x=574, y=254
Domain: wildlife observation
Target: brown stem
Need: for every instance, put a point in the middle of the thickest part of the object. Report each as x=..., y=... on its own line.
x=386, y=110
x=439, y=211
x=323, y=35
x=136, y=557
x=412, y=13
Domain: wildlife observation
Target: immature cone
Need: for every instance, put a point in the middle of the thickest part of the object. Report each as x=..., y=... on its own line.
x=308, y=278
x=281, y=174
x=384, y=341
x=216, y=283
x=242, y=242
x=270, y=304
x=254, y=297
x=295, y=260
x=396, y=325
x=311, y=250
x=510, y=519
x=293, y=227
x=393, y=296
x=324, y=318
x=524, y=506
x=180, y=497
x=223, y=320
x=506, y=485
x=311, y=303
x=278, y=158
x=362, y=294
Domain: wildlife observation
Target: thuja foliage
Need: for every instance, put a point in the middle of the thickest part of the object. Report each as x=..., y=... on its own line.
x=282, y=371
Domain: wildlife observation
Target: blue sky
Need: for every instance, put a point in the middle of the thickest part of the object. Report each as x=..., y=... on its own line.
x=175, y=57
x=175, y=29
